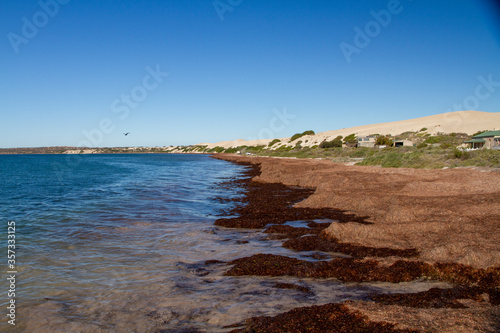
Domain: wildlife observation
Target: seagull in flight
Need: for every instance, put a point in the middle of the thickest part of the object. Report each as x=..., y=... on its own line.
x=126, y=133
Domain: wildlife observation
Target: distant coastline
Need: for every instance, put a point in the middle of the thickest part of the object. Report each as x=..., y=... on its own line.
x=439, y=141
x=100, y=150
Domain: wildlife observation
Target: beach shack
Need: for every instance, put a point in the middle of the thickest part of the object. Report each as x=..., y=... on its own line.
x=366, y=141
x=403, y=143
x=488, y=140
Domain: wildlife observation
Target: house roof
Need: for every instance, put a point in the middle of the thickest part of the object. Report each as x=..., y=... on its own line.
x=475, y=140
x=486, y=134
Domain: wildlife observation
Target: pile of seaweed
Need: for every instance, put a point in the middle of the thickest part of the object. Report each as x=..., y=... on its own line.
x=269, y=206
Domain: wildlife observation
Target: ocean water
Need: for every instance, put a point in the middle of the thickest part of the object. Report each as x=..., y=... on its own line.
x=117, y=243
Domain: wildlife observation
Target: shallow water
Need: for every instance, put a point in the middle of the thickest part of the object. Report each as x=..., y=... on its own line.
x=118, y=243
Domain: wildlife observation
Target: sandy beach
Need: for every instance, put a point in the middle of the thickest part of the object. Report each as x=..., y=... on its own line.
x=395, y=225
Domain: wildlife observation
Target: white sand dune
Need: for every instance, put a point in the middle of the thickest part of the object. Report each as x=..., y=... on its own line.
x=460, y=121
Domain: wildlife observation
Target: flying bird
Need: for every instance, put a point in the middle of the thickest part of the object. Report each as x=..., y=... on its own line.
x=126, y=133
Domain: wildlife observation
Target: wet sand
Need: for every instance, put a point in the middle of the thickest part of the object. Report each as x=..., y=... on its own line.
x=391, y=225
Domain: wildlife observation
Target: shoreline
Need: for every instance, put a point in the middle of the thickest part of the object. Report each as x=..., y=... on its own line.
x=281, y=190
x=447, y=215
x=120, y=153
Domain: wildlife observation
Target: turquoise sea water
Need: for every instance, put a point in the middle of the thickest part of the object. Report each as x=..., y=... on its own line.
x=117, y=243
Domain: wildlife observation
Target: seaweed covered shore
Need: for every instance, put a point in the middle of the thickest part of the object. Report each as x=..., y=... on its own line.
x=472, y=304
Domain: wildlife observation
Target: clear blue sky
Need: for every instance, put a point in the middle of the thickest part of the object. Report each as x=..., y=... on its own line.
x=232, y=64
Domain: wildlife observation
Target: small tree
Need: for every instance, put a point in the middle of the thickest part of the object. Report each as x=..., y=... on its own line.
x=384, y=141
x=274, y=142
x=335, y=143
x=350, y=139
x=299, y=135
x=309, y=132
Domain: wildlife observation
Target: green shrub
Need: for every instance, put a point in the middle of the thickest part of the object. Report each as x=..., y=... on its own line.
x=460, y=154
x=335, y=143
x=274, y=142
x=284, y=148
x=326, y=144
x=232, y=150
x=384, y=141
x=482, y=157
x=422, y=145
x=394, y=159
x=433, y=139
x=216, y=150
x=350, y=139
x=299, y=135
x=449, y=140
x=255, y=148
x=445, y=145
x=360, y=152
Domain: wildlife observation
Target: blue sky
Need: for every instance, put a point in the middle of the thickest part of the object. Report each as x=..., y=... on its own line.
x=83, y=72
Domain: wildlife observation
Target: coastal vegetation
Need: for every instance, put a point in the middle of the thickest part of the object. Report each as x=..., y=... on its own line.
x=383, y=140
x=272, y=143
x=428, y=151
x=335, y=143
x=351, y=139
x=299, y=135
x=429, y=157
